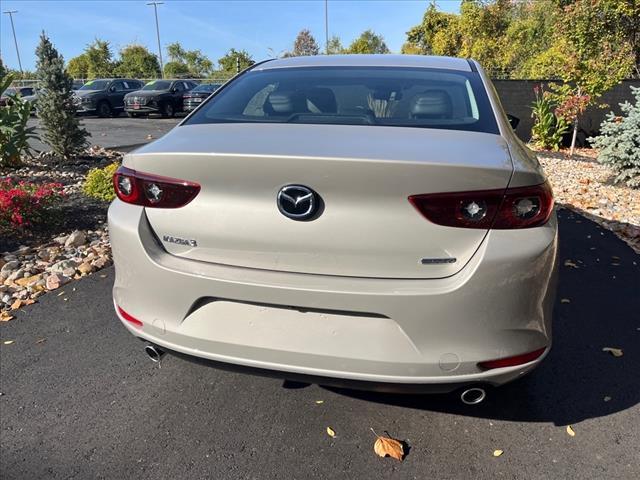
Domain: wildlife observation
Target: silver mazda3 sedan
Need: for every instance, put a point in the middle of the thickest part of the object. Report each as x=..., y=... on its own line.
x=368, y=220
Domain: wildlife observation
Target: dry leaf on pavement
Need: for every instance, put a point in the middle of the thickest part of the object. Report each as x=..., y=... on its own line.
x=565, y=300
x=497, y=453
x=16, y=305
x=388, y=446
x=5, y=317
x=8, y=342
x=330, y=432
x=570, y=431
x=319, y=402
x=570, y=263
x=616, y=352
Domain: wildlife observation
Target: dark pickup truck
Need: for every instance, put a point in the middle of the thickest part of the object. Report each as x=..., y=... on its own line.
x=105, y=96
x=158, y=96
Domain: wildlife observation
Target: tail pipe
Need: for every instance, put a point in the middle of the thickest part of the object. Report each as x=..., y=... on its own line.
x=154, y=353
x=473, y=395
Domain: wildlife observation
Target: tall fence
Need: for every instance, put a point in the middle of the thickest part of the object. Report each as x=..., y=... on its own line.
x=517, y=96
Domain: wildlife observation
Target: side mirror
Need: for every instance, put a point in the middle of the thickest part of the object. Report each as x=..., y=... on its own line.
x=514, y=121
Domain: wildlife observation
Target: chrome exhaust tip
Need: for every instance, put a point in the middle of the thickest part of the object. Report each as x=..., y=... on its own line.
x=473, y=396
x=154, y=353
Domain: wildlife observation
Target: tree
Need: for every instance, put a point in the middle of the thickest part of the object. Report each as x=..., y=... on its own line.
x=304, y=45
x=618, y=142
x=78, y=67
x=335, y=46
x=422, y=37
x=597, y=57
x=55, y=104
x=229, y=63
x=99, y=59
x=137, y=62
x=175, y=69
x=3, y=69
x=368, y=42
x=197, y=64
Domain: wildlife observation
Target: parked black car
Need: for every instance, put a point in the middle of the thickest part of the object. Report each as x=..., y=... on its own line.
x=25, y=92
x=198, y=95
x=105, y=96
x=158, y=96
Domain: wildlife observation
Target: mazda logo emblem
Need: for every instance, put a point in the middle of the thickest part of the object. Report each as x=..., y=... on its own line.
x=298, y=202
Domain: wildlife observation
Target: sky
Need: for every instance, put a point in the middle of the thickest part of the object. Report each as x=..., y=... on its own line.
x=265, y=28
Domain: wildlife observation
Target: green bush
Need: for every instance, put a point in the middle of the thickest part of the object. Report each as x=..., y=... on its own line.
x=548, y=128
x=619, y=142
x=14, y=133
x=99, y=183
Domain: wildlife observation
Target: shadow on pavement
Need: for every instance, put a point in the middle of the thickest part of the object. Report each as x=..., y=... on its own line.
x=573, y=381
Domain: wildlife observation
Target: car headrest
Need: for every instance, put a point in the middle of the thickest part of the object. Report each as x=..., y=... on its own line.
x=284, y=103
x=432, y=104
x=321, y=100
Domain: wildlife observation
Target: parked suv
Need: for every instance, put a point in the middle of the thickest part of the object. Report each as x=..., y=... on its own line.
x=158, y=96
x=105, y=96
x=198, y=95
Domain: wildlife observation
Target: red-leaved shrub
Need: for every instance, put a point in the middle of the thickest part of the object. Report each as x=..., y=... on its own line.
x=24, y=204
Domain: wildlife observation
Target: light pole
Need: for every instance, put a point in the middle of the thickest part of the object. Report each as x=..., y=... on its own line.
x=15, y=40
x=155, y=9
x=326, y=26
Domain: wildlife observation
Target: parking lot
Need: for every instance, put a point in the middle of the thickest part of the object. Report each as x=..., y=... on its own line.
x=118, y=132
x=81, y=400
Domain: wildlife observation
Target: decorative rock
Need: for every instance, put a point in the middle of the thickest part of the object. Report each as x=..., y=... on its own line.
x=26, y=281
x=62, y=265
x=56, y=281
x=10, y=266
x=76, y=239
x=61, y=240
x=15, y=275
x=85, y=268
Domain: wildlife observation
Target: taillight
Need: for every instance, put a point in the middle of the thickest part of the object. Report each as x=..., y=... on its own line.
x=512, y=361
x=520, y=207
x=154, y=191
x=129, y=318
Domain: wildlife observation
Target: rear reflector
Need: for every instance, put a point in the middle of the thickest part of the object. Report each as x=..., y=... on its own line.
x=512, y=361
x=521, y=207
x=129, y=318
x=154, y=191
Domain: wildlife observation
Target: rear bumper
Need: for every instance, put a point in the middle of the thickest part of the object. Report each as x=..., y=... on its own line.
x=413, y=335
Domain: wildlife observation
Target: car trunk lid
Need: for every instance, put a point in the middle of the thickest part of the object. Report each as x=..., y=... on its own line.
x=363, y=175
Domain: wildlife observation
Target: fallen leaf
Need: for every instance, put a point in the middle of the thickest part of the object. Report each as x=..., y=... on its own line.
x=319, y=402
x=8, y=342
x=607, y=398
x=388, y=446
x=103, y=276
x=41, y=340
x=565, y=300
x=570, y=431
x=60, y=294
x=616, y=352
x=16, y=305
x=29, y=301
x=5, y=317
x=330, y=432
x=570, y=263
x=497, y=453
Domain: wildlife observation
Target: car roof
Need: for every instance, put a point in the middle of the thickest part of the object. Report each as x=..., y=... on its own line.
x=415, y=61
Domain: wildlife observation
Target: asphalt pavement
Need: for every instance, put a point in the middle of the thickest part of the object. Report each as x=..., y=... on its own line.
x=81, y=400
x=118, y=132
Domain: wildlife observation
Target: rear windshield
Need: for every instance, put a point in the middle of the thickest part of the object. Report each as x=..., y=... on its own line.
x=388, y=96
x=157, y=85
x=206, y=87
x=95, y=85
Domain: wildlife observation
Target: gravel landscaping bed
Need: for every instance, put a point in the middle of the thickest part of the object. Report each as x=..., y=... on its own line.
x=74, y=242
x=584, y=185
